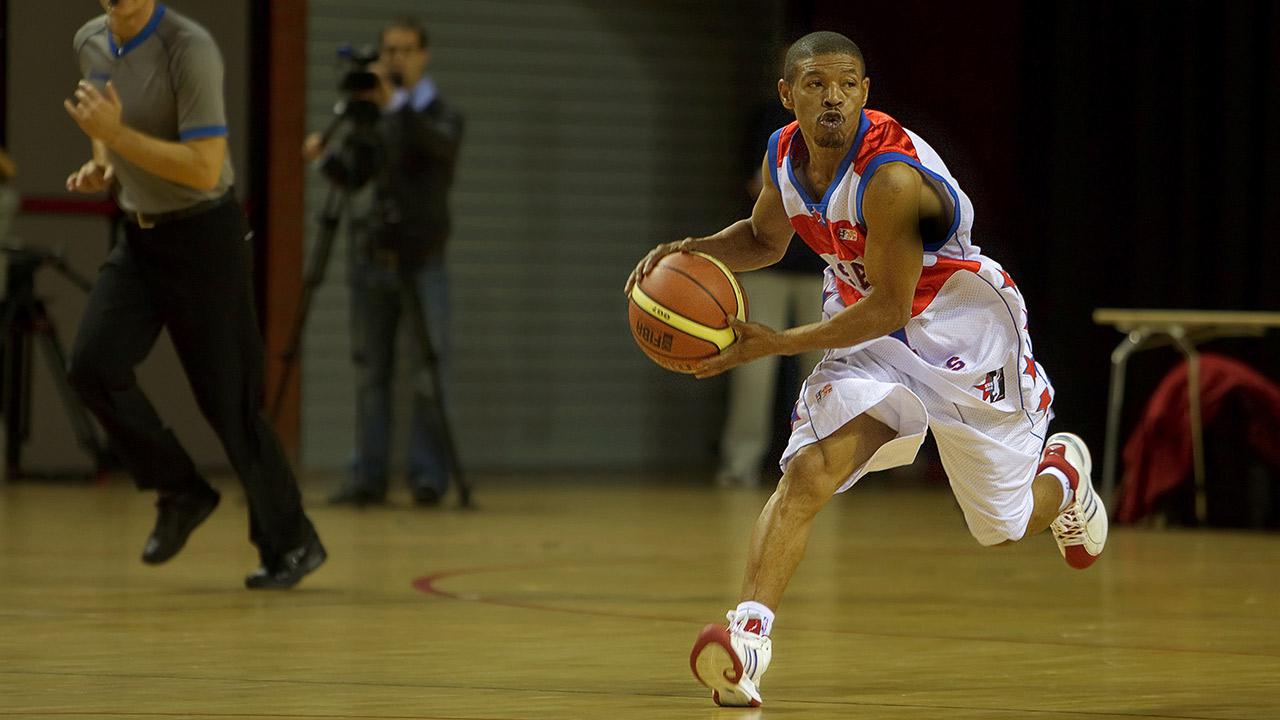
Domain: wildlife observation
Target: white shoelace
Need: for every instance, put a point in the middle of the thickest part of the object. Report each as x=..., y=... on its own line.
x=1069, y=527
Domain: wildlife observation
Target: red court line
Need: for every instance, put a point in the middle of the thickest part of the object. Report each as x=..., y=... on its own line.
x=429, y=585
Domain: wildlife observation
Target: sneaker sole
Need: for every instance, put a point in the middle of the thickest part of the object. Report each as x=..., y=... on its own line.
x=715, y=664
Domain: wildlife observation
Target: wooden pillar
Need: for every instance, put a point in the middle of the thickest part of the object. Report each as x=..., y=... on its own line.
x=279, y=213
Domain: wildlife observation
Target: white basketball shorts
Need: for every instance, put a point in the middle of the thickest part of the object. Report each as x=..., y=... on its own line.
x=981, y=393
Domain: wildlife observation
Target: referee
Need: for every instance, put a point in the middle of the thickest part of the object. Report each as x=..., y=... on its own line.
x=152, y=103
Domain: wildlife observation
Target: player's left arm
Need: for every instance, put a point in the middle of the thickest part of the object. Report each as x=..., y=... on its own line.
x=893, y=261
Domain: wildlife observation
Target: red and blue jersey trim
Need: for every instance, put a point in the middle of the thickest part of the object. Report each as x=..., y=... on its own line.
x=880, y=140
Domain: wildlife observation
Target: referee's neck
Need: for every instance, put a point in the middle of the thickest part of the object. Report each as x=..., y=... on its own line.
x=126, y=22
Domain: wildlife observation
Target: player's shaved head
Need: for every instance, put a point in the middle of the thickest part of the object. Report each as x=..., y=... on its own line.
x=819, y=43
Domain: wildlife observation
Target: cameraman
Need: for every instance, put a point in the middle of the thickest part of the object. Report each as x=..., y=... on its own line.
x=408, y=228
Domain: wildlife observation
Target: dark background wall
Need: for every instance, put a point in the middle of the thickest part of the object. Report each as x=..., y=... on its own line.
x=1118, y=155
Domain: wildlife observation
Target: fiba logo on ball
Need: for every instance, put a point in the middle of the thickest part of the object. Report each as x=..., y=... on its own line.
x=654, y=337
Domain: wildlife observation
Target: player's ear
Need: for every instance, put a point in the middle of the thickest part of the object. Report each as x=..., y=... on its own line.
x=784, y=92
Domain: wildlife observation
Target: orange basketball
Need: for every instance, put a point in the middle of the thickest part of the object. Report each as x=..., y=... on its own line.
x=679, y=312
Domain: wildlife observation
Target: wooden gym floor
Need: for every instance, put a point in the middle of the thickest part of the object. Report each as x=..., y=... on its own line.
x=581, y=600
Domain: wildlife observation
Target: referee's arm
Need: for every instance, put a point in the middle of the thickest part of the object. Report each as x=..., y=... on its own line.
x=194, y=163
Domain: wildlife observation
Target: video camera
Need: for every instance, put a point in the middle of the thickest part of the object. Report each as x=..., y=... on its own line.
x=358, y=77
x=360, y=155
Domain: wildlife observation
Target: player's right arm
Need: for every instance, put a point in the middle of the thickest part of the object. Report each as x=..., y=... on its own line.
x=749, y=244
x=95, y=175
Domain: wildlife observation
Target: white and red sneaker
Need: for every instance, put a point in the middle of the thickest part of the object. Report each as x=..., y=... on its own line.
x=1081, y=529
x=731, y=660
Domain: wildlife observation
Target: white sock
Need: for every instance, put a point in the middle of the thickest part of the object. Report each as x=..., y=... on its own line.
x=1067, y=493
x=755, y=610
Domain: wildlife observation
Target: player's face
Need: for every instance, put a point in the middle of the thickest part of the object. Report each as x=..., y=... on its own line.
x=403, y=56
x=827, y=96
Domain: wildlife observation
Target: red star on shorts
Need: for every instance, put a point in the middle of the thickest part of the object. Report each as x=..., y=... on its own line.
x=1008, y=280
x=1031, y=368
x=1045, y=399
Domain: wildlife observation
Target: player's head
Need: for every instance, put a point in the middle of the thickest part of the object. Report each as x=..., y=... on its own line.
x=405, y=50
x=825, y=84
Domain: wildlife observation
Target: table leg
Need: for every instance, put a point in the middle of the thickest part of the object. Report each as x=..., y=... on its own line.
x=1115, y=402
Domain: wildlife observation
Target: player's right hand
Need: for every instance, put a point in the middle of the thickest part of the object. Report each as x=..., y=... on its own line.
x=92, y=177
x=647, y=263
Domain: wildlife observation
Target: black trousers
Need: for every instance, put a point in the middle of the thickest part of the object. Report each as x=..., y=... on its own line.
x=191, y=277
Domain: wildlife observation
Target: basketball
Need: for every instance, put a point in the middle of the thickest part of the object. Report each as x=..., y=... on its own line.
x=679, y=312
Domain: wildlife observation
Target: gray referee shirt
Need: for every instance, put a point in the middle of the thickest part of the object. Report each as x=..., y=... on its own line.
x=169, y=79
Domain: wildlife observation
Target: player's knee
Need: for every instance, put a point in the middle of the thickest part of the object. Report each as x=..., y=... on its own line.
x=808, y=482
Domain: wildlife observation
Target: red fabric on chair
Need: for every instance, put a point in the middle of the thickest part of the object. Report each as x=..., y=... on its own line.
x=1158, y=458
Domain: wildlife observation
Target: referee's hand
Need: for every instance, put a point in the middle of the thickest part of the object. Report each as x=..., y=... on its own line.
x=92, y=177
x=98, y=115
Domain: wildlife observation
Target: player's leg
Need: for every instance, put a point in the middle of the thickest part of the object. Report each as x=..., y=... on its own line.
x=811, y=479
x=731, y=660
x=853, y=418
x=1010, y=489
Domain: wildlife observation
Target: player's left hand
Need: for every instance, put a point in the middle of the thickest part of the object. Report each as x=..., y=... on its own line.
x=98, y=115
x=754, y=342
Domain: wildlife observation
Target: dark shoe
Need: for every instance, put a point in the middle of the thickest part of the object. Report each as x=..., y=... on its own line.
x=178, y=514
x=355, y=495
x=426, y=497
x=289, y=569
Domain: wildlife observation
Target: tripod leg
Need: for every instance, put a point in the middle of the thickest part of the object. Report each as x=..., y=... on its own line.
x=330, y=218
x=434, y=384
x=56, y=359
x=14, y=390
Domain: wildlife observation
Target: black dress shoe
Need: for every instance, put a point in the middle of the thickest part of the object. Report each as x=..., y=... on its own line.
x=355, y=495
x=287, y=570
x=178, y=514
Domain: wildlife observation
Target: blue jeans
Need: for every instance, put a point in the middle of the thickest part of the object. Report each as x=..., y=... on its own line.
x=376, y=309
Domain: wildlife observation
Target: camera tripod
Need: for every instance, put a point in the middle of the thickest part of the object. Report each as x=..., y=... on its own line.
x=24, y=318
x=427, y=386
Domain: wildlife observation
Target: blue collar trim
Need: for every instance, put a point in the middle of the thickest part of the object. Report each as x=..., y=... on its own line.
x=148, y=31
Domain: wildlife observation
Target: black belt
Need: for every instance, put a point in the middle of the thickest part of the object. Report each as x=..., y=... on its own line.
x=146, y=221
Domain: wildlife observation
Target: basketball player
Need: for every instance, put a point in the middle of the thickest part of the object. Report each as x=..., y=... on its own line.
x=922, y=332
